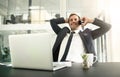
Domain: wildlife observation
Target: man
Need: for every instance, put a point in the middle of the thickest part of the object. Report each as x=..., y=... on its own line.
x=82, y=41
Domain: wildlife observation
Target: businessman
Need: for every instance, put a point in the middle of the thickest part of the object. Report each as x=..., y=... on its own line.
x=74, y=40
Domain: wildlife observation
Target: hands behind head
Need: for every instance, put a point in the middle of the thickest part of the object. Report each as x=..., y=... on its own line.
x=86, y=20
x=66, y=20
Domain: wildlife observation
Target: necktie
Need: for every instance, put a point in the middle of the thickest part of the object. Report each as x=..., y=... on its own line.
x=67, y=46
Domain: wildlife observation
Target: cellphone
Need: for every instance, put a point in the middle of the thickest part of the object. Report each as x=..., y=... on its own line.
x=80, y=22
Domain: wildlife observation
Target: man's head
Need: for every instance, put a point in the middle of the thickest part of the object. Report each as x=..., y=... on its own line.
x=74, y=21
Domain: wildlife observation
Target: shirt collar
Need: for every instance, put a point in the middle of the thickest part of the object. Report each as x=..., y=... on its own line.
x=77, y=30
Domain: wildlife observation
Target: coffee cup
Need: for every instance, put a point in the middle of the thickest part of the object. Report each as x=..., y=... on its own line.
x=89, y=58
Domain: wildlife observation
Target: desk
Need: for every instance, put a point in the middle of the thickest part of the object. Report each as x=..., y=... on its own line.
x=110, y=69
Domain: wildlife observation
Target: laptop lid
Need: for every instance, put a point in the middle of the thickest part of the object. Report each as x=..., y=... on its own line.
x=32, y=51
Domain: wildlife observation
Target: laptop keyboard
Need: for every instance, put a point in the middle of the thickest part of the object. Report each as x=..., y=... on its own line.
x=68, y=64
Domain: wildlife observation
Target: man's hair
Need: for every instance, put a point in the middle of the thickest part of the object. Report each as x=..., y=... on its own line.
x=72, y=15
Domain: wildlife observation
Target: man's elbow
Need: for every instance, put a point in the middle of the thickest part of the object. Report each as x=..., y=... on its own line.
x=109, y=27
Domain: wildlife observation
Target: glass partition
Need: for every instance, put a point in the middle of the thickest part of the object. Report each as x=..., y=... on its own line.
x=35, y=11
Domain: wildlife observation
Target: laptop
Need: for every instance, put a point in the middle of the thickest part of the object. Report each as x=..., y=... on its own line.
x=33, y=51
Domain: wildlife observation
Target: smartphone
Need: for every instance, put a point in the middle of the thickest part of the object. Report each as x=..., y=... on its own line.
x=80, y=22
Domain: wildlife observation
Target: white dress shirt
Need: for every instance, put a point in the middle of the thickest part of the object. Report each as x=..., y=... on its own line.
x=76, y=48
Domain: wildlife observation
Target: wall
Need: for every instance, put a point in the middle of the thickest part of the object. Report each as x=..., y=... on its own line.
x=3, y=7
x=115, y=31
x=84, y=7
x=17, y=7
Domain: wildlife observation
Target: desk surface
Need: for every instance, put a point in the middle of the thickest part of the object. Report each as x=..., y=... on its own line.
x=111, y=69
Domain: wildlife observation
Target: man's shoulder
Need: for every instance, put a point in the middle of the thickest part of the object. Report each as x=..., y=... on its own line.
x=87, y=30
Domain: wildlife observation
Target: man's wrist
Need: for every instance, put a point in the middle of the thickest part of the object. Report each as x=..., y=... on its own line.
x=92, y=20
x=66, y=20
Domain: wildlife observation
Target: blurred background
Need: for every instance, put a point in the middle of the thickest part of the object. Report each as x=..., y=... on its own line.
x=32, y=16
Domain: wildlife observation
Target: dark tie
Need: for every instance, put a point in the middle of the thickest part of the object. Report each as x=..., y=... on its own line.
x=67, y=46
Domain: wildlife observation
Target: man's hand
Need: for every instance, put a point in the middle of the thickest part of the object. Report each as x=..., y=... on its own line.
x=86, y=20
x=66, y=20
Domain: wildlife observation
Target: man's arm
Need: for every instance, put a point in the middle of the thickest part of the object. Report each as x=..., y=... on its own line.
x=104, y=27
x=54, y=24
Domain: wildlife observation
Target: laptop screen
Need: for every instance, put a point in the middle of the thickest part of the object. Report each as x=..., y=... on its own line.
x=31, y=51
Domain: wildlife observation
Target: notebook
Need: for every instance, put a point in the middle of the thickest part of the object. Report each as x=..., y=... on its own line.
x=33, y=51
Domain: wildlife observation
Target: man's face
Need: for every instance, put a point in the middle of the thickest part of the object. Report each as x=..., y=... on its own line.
x=74, y=22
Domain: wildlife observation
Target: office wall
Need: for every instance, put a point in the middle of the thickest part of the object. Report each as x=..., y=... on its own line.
x=3, y=7
x=115, y=30
x=83, y=7
x=116, y=43
x=115, y=33
x=17, y=7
